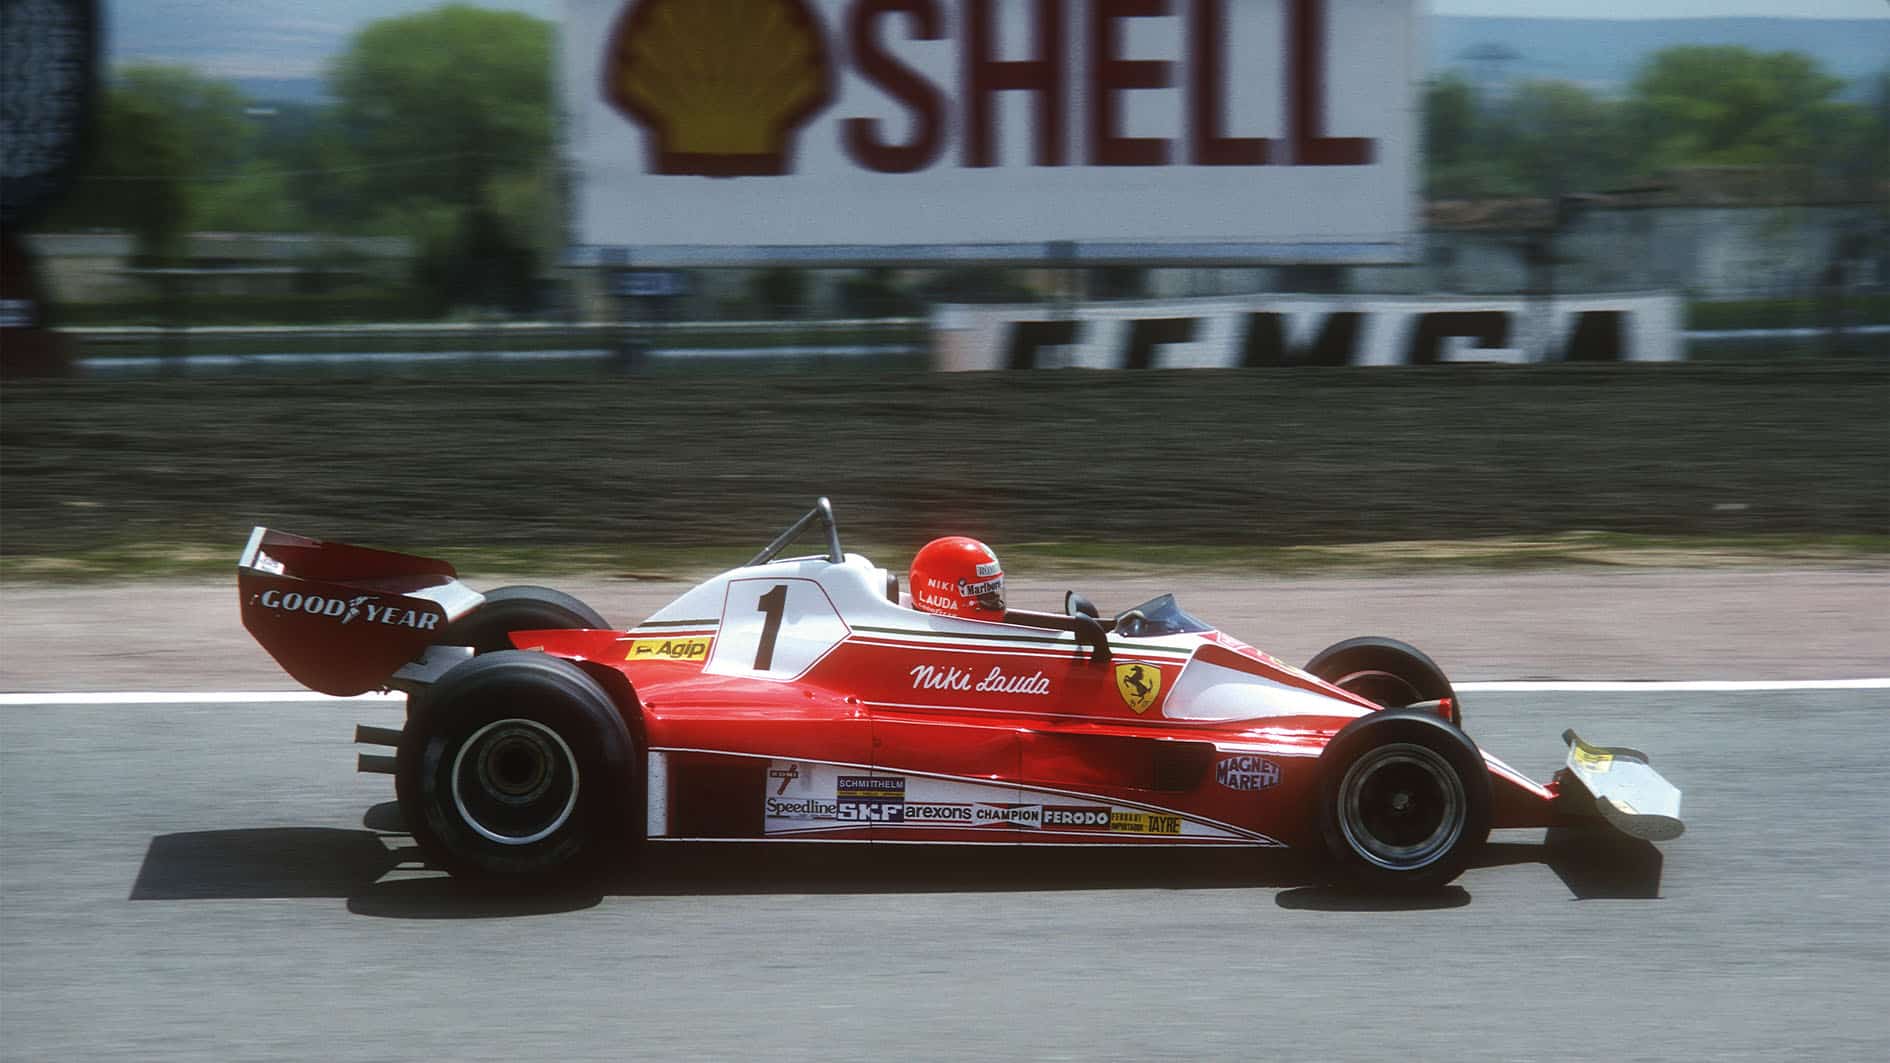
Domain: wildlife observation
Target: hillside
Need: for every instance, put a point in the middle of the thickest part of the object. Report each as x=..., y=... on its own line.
x=1603, y=53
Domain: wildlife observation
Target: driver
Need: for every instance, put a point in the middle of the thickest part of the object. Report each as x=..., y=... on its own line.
x=958, y=576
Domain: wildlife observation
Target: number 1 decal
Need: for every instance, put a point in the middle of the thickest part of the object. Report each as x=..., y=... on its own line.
x=774, y=628
x=770, y=605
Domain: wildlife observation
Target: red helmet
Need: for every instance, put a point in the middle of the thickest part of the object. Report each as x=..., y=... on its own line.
x=958, y=576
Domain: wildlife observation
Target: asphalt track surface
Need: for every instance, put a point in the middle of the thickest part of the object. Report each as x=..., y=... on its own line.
x=213, y=882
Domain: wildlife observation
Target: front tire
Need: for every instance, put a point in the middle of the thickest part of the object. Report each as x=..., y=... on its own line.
x=1392, y=673
x=1404, y=801
x=518, y=767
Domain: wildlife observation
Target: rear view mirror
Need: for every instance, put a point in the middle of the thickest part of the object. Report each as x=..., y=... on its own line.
x=1075, y=604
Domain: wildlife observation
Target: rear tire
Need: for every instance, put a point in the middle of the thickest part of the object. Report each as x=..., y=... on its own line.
x=519, y=766
x=1404, y=801
x=488, y=628
x=1392, y=673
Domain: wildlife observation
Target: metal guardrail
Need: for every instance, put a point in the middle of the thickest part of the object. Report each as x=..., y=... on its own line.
x=600, y=330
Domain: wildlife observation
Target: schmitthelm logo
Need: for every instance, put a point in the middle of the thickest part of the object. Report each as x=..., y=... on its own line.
x=720, y=86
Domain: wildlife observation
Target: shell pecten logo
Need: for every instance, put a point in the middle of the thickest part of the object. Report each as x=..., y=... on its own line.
x=720, y=86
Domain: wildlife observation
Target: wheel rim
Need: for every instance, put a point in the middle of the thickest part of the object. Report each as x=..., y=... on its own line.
x=1402, y=806
x=515, y=781
x=1391, y=691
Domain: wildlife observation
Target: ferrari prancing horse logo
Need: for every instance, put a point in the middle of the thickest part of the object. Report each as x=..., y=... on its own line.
x=1138, y=684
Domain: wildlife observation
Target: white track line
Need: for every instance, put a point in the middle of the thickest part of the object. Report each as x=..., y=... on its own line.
x=1663, y=686
x=1551, y=686
x=185, y=697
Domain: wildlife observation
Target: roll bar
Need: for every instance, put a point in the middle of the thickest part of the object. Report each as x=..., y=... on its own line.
x=822, y=512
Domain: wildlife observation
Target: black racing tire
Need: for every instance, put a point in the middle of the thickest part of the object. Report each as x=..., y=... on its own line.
x=518, y=767
x=1392, y=673
x=508, y=609
x=1404, y=801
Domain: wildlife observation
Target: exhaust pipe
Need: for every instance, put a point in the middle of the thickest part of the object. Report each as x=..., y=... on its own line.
x=376, y=736
x=375, y=763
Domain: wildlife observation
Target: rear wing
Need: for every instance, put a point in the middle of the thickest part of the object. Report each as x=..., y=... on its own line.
x=343, y=619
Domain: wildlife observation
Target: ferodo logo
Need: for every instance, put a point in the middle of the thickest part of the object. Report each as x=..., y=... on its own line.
x=1095, y=817
x=720, y=86
x=347, y=610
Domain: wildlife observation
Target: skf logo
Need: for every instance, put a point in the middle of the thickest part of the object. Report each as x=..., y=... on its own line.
x=720, y=86
x=1138, y=684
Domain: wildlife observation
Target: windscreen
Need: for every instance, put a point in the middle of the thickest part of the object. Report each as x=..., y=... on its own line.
x=1157, y=616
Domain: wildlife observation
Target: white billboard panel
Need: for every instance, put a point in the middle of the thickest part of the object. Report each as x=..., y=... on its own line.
x=1287, y=330
x=1202, y=131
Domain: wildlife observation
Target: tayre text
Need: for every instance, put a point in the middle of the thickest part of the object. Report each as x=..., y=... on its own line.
x=1246, y=772
x=1144, y=823
x=347, y=610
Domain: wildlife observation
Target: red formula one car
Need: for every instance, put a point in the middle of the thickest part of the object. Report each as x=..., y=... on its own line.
x=802, y=699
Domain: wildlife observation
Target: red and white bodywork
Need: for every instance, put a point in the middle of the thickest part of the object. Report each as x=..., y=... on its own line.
x=794, y=701
x=805, y=700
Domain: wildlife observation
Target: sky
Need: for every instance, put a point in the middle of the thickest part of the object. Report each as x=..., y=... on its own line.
x=293, y=38
x=1665, y=8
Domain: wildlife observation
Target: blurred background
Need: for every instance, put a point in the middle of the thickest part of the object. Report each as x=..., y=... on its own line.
x=343, y=269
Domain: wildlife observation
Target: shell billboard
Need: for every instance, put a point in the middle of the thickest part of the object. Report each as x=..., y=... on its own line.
x=707, y=132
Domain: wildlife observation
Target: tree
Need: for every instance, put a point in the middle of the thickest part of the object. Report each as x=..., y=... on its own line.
x=164, y=135
x=304, y=145
x=210, y=116
x=1450, y=120
x=1563, y=138
x=452, y=108
x=1455, y=166
x=1862, y=144
x=1723, y=105
x=443, y=101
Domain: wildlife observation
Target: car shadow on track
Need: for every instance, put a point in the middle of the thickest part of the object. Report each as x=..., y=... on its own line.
x=379, y=873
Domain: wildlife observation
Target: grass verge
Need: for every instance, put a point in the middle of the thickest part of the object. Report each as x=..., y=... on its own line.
x=157, y=561
x=108, y=474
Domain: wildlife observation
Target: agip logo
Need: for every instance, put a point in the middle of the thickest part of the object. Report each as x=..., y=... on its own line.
x=721, y=87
